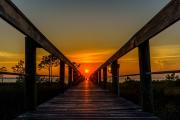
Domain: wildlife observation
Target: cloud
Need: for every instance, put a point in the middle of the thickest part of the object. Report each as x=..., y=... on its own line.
x=8, y=59
x=128, y=60
x=8, y=62
x=95, y=56
x=4, y=54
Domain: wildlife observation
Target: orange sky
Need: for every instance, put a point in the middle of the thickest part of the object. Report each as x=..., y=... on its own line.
x=88, y=33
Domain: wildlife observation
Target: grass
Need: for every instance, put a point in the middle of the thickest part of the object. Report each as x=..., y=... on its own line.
x=12, y=97
x=166, y=97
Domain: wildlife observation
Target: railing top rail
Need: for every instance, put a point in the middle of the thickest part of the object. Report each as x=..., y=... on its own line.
x=158, y=72
x=11, y=14
x=22, y=74
x=165, y=18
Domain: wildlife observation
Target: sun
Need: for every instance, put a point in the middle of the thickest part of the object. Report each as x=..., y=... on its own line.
x=86, y=71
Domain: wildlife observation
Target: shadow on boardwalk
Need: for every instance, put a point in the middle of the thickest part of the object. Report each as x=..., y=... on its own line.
x=86, y=101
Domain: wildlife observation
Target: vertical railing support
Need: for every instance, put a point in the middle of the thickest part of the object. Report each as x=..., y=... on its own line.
x=99, y=77
x=62, y=74
x=69, y=76
x=105, y=77
x=74, y=75
x=145, y=76
x=115, y=77
x=30, y=71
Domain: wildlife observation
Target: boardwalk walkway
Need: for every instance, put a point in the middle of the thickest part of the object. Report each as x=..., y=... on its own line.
x=86, y=102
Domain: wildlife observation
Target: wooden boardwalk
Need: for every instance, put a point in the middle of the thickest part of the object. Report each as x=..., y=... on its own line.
x=86, y=101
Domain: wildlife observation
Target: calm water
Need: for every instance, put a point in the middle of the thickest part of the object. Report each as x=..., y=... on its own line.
x=6, y=79
x=155, y=77
x=13, y=79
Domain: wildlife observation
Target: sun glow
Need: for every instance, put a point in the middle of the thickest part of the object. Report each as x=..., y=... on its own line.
x=86, y=71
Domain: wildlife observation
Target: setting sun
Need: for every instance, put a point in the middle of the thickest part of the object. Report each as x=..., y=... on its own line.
x=86, y=70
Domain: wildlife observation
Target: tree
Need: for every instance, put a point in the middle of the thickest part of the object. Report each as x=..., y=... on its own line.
x=19, y=68
x=172, y=76
x=2, y=69
x=128, y=79
x=48, y=62
x=76, y=65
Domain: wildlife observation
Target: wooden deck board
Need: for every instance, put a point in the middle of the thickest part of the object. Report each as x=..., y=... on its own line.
x=87, y=102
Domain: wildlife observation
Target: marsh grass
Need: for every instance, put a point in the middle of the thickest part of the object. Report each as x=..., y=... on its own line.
x=166, y=97
x=12, y=97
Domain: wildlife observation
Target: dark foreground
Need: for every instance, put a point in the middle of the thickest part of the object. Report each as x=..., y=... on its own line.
x=166, y=97
x=12, y=97
x=87, y=101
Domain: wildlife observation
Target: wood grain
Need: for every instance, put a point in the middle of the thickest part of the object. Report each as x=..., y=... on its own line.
x=86, y=101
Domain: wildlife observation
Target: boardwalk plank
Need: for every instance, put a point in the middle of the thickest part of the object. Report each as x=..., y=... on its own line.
x=87, y=102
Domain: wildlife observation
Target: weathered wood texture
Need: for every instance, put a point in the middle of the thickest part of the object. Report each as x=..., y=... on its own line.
x=87, y=102
x=62, y=74
x=99, y=77
x=74, y=75
x=104, y=77
x=96, y=77
x=30, y=70
x=145, y=77
x=115, y=77
x=166, y=17
x=10, y=13
x=70, y=76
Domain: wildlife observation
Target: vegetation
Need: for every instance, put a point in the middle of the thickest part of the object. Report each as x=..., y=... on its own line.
x=19, y=68
x=48, y=62
x=76, y=64
x=2, y=69
x=166, y=97
x=166, y=93
x=172, y=76
x=12, y=94
x=12, y=97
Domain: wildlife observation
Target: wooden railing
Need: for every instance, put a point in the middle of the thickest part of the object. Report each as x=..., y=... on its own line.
x=34, y=39
x=158, y=72
x=165, y=18
x=7, y=75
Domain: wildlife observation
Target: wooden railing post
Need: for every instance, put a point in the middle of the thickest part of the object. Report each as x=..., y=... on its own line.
x=93, y=78
x=62, y=74
x=74, y=75
x=145, y=76
x=30, y=71
x=69, y=76
x=78, y=76
x=99, y=77
x=115, y=77
x=105, y=77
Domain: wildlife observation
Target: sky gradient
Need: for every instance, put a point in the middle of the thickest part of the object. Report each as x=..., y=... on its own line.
x=90, y=31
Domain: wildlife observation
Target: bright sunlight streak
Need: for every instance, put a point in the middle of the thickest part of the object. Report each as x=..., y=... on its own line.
x=86, y=70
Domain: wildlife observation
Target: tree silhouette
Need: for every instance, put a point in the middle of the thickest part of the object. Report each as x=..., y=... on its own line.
x=127, y=79
x=2, y=69
x=19, y=68
x=48, y=62
x=172, y=76
x=76, y=65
